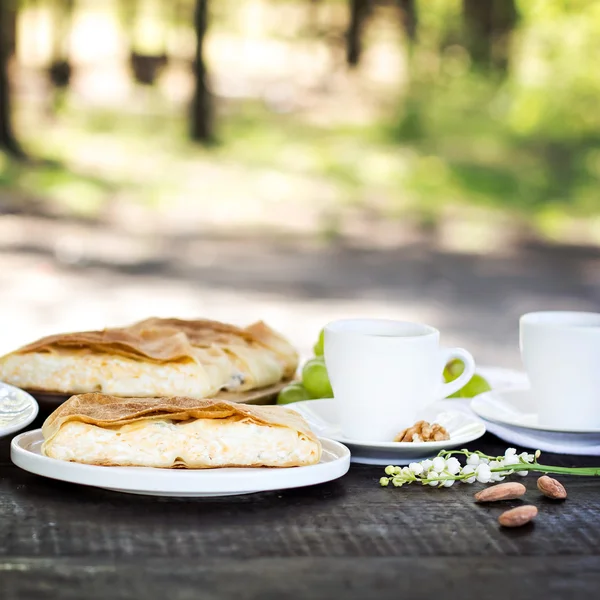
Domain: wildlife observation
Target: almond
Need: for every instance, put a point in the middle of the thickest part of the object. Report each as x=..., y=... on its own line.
x=551, y=488
x=516, y=517
x=502, y=491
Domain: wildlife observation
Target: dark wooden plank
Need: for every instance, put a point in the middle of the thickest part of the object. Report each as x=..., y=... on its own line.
x=302, y=578
x=347, y=518
x=348, y=536
x=45, y=518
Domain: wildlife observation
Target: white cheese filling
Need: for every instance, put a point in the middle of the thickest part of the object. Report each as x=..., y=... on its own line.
x=116, y=375
x=78, y=372
x=197, y=443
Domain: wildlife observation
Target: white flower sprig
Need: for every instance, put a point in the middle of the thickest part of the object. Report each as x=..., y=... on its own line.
x=445, y=468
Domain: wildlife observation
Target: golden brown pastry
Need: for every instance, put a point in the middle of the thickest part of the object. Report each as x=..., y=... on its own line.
x=105, y=430
x=155, y=357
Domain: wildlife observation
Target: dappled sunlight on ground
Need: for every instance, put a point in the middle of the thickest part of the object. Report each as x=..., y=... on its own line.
x=64, y=276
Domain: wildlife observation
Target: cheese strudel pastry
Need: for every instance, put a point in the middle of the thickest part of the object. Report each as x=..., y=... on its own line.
x=99, y=429
x=155, y=357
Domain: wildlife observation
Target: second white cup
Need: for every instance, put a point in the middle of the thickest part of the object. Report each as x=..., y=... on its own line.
x=384, y=372
x=561, y=354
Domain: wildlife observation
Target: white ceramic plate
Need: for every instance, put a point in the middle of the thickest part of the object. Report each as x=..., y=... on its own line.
x=516, y=408
x=25, y=453
x=462, y=427
x=17, y=409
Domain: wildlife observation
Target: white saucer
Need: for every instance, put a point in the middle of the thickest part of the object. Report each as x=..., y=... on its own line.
x=25, y=453
x=516, y=409
x=17, y=409
x=462, y=427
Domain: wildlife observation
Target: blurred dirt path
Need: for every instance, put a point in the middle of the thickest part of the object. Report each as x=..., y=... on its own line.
x=59, y=276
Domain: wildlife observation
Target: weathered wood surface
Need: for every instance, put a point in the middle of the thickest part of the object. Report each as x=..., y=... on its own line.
x=346, y=539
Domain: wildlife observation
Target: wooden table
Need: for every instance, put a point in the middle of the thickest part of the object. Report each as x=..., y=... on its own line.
x=348, y=539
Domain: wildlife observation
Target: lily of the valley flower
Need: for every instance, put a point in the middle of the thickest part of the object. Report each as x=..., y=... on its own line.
x=445, y=468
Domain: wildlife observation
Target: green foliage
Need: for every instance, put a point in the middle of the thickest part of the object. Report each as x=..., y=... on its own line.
x=524, y=142
x=528, y=141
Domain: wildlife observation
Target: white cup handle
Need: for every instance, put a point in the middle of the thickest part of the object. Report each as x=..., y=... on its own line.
x=467, y=359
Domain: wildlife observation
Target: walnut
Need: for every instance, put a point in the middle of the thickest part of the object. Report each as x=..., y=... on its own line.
x=422, y=431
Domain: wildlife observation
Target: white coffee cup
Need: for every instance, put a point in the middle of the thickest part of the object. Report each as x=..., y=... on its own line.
x=561, y=354
x=384, y=372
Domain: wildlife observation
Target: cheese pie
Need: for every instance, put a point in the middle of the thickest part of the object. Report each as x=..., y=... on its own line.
x=99, y=429
x=154, y=357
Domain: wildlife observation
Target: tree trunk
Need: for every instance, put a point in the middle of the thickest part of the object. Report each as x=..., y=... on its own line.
x=478, y=17
x=409, y=18
x=506, y=18
x=8, y=141
x=488, y=27
x=60, y=69
x=358, y=13
x=10, y=26
x=201, y=115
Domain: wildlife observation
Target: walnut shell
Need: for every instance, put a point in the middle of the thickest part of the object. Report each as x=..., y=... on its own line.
x=422, y=431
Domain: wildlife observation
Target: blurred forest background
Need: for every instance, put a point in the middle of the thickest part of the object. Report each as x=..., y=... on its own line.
x=309, y=110
x=134, y=132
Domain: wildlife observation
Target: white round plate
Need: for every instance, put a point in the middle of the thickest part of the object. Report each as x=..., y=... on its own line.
x=17, y=409
x=26, y=453
x=516, y=408
x=462, y=427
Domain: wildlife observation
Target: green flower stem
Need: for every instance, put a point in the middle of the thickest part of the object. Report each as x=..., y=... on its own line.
x=400, y=476
x=537, y=467
x=525, y=466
